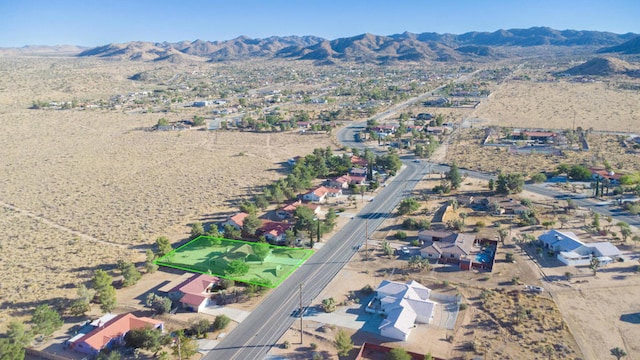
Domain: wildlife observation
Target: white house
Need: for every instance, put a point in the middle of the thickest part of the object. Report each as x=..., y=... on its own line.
x=571, y=251
x=317, y=195
x=404, y=305
x=237, y=220
x=194, y=293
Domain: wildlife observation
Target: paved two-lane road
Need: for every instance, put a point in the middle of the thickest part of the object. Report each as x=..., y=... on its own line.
x=255, y=336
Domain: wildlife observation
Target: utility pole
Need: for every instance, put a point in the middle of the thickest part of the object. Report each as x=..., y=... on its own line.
x=301, y=314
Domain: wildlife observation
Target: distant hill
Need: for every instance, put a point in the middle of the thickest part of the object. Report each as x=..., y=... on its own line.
x=604, y=66
x=630, y=47
x=365, y=48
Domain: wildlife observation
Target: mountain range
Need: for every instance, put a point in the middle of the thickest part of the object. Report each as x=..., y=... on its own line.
x=370, y=48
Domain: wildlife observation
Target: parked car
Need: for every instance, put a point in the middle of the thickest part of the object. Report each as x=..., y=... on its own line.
x=535, y=289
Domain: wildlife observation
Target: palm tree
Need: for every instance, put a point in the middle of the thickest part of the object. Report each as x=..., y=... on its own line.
x=619, y=353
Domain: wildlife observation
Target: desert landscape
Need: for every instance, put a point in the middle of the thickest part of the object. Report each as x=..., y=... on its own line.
x=89, y=179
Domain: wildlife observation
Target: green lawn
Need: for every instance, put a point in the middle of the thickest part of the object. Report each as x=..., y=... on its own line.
x=209, y=255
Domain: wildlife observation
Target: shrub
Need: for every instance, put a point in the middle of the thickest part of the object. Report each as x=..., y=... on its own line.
x=463, y=306
x=221, y=322
x=286, y=344
x=508, y=257
x=410, y=224
x=313, y=346
x=367, y=290
x=400, y=235
x=415, y=242
x=424, y=224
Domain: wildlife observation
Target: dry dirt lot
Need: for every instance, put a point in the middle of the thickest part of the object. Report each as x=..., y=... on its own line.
x=80, y=187
x=562, y=105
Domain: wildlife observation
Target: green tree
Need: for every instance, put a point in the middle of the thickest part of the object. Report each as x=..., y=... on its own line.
x=538, y=178
x=454, y=176
x=625, y=230
x=10, y=350
x=289, y=237
x=231, y=232
x=17, y=338
x=130, y=274
x=408, y=206
x=261, y=201
x=502, y=235
x=149, y=264
x=184, y=347
x=329, y=305
x=101, y=279
x=163, y=122
x=82, y=303
x=160, y=304
x=198, y=120
x=197, y=230
x=509, y=183
x=251, y=224
x=221, y=322
x=492, y=184
x=146, y=338
x=237, y=268
x=107, y=299
x=594, y=265
x=249, y=208
x=330, y=219
x=46, y=320
x=618, y=352
x=164, y=246
x=261, y=251
x=343, y=343
x=200, y=327
x=579, y=173
x=399, y=354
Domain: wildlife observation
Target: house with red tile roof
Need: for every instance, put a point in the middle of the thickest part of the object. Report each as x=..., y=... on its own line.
x=358, y=161
x=287, y=211
x=237, y=220
x=194, y=293
x=316, y=195
x=601, y=174
x=112, y=333
x=274, y=231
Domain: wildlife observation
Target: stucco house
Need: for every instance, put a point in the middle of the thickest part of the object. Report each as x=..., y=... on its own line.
x=316, y=195
x=274, y=231
x=237, y=220
x=287, y=211
x=111, y=333
x=446, y=246
x=404, y=305
x=194, y=293
x=571, y=250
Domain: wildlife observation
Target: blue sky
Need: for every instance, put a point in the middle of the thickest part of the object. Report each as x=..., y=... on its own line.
x=99, y=22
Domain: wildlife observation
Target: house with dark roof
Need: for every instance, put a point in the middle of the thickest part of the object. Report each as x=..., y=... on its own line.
x=111, y=333
x=451, y=248
x=570, y=250
x=194, y=294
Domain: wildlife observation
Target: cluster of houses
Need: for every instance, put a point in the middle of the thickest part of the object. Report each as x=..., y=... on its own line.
x=191, y=291
x=274, y=230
